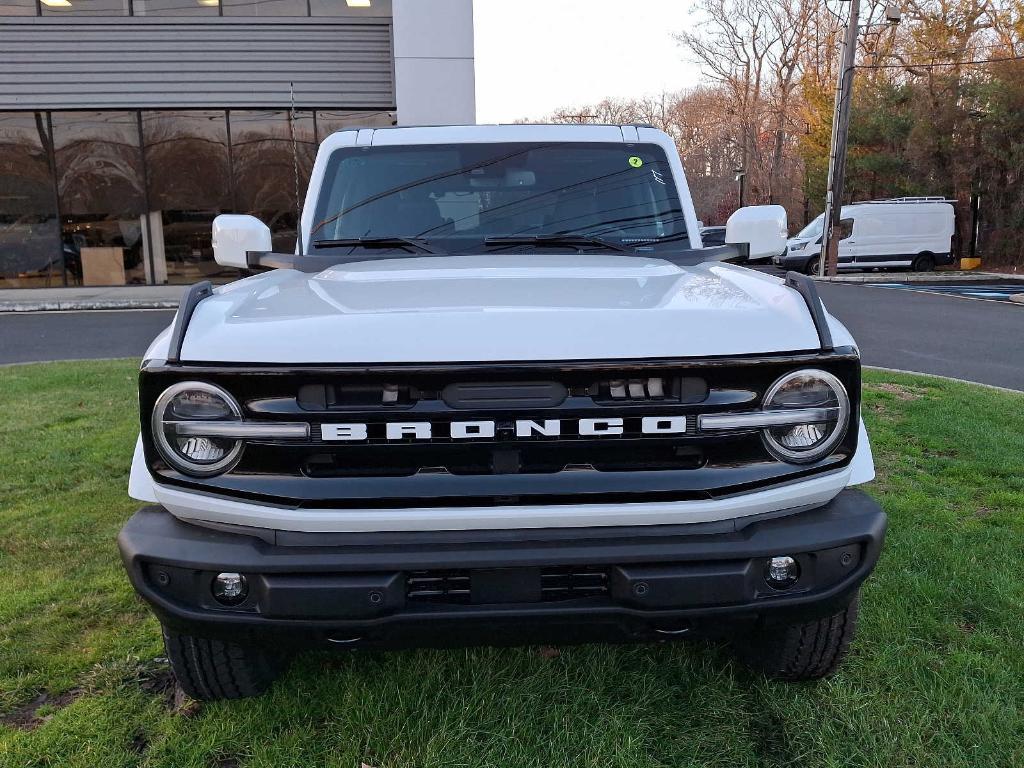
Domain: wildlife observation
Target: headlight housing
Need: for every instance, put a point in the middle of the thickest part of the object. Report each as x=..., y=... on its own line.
x=197, y=455
x=798, y=246
x=811, y=391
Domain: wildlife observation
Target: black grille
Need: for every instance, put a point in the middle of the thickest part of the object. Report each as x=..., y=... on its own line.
x=556, y=583
x=568, y=583
x=580, y=390
x=544, y=466
x=438, y=586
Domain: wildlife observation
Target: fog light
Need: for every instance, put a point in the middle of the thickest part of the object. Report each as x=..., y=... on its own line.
x=230, y=588
x=781, y=572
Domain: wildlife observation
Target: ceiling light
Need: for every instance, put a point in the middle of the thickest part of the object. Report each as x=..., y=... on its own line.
x=57, y=3
x=358, y=3
x=213, y=3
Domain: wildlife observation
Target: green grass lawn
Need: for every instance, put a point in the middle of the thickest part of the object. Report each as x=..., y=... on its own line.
x=936, y=677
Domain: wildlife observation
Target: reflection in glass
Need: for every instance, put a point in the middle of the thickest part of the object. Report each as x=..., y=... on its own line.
x=188, y=171
x=17, y=7
x=99, y=173
x=327, y=122
x=265, y=8
x=30, y=253
x=341, y=8
x=265, y=168
x=175, y=8
x=85, y=7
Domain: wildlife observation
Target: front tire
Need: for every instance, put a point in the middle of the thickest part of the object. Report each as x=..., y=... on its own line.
x=813, y=266
x=208, y=669
x=802, y=651
x=924, y=262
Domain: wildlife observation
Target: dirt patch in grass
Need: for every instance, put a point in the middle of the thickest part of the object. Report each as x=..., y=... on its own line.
x=30, y=716
x=156, y=678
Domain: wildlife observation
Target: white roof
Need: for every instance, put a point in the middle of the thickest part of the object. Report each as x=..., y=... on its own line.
x=447, y=134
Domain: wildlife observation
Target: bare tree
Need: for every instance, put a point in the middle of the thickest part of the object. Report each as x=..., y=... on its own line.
x=752, y=49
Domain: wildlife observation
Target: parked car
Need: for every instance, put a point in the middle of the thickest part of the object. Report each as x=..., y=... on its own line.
x=907, y=233
x=712, y=236
x=497, y=396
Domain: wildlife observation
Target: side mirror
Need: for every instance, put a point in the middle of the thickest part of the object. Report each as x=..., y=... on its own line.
x=763, y=227
x=234, y=235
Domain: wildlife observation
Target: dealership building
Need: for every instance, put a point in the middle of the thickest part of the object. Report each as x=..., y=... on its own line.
x=126, y=126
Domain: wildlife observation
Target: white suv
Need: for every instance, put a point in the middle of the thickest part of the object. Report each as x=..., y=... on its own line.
x=499, y=394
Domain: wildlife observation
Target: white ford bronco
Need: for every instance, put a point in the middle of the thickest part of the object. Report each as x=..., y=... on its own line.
x=499, y=394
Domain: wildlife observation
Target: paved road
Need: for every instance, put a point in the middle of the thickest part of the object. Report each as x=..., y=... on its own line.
x=38, y=336
x=976, y=340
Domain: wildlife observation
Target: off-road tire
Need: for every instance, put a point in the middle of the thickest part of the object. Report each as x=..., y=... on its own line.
x=208, y=669
x=806, y=651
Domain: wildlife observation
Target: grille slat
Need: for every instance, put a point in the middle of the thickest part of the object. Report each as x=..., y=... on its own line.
x=556, y=583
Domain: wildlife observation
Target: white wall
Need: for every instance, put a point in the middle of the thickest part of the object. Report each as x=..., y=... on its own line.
x=435, y=80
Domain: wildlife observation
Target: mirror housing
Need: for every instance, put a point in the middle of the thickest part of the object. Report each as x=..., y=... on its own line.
x=762, y=227
x=234, y=235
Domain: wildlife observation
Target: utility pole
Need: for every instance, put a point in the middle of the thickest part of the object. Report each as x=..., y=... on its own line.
x=837, y=154
x=741, y=176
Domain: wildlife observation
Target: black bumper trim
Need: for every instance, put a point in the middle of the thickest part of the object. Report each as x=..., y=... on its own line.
x=355, y=590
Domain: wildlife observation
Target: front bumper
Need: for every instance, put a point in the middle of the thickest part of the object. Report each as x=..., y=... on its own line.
x=793, y=259
x=502, y=587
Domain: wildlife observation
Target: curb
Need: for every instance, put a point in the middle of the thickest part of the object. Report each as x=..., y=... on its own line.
x=81, y=305
x=918, y=277
x=946, y=378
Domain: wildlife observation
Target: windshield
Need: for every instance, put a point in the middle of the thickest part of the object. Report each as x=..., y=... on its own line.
x=813, y=229
x=460, y=198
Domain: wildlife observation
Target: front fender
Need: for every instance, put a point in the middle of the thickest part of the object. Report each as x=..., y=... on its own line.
x=140, y=481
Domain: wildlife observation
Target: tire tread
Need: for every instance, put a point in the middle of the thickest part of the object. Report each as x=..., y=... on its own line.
x=208, y=669
x=803, y=651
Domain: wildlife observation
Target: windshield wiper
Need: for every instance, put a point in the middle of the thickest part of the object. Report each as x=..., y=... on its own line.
x=406, y=243
x=669, y=238
x=569, y=241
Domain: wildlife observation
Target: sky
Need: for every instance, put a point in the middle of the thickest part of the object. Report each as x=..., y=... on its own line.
x=534, y=56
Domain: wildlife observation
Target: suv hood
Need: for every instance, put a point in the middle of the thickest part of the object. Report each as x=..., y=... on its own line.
x=497, y=308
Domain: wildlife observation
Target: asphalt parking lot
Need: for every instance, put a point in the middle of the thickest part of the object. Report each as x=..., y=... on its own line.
x=980, y=291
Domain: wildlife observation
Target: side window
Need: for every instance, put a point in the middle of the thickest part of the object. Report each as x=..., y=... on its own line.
x=845, y=228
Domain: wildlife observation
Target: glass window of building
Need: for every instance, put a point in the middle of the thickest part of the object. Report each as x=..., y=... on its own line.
x=188, y=171
x=265, y=166
x=30, y=251
x=265, y=8
x=85, y=7
x=327, y=122
x=17, y=7
x=350, y=7
x=102, y=199
x=175, y=7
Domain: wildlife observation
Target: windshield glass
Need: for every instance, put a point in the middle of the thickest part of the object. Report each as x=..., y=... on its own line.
x=813, y=229
x=455, y=196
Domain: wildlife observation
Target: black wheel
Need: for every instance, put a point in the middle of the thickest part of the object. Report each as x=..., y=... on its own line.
x=212, y=669
x=806, y=651
x=924, y=262
x=813, y=265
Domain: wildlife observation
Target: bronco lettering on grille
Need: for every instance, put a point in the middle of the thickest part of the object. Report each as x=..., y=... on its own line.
x=486, y=430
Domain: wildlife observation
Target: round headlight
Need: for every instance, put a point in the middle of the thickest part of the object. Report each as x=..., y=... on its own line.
x=192, y=401
x=820, y=395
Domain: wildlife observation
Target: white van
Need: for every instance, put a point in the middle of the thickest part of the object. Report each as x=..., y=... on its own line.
x=908, y=232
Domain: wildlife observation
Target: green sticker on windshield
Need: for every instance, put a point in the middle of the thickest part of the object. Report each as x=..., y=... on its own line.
x=635, y=161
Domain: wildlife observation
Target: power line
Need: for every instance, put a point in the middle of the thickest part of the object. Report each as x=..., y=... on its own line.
x=933, y=65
